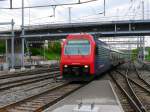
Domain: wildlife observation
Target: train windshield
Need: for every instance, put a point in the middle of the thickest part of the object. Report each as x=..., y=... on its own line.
x=77, y=47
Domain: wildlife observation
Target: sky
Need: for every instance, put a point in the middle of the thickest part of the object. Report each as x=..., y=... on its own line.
x=92, y=11
x=115, y=9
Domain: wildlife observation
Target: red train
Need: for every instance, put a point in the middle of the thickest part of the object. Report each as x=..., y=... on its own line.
x=83, y=57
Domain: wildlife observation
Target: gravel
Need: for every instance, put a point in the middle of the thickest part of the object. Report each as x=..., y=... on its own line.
x=15, y=94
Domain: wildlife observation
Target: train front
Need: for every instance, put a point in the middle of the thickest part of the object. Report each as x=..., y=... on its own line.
x=77, y=57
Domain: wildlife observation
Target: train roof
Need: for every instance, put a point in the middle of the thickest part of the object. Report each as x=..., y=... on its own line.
x=105, y=45
x=97, y=41
x=100, y=42
x=80, y=35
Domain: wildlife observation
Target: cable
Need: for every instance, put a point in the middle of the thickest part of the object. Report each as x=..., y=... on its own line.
x=58, y=3
x=79, y=17
x=41, y=18
x=41, y=6
x=8, y=13
x=132, y=3
x=135, y=12
x=95, y=19
x=87, y=16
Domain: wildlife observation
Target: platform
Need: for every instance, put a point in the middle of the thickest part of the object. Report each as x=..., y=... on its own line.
x=97, y=96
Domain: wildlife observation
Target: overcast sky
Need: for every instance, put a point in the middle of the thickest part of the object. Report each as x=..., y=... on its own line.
x=115, y=10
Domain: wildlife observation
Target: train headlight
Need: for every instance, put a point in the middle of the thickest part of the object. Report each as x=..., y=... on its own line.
x=85, y=66
x=65, y=66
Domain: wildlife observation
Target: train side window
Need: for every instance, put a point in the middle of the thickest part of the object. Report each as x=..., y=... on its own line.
x=110, y=55
x=96, y=50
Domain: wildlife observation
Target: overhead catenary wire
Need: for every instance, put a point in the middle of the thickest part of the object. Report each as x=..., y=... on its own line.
x=130, y=7
x=13, y=14
x=42, y=6
x=62, y=5
x=127, y=17
x=90, y=17
x=58, y=4
x=29, y=10
x=60, y=13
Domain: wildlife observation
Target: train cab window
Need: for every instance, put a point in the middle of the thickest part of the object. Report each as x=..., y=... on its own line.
x=77, y=47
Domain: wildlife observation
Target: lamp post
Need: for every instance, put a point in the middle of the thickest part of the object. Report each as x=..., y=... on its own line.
x=12, y=46
x=22, y=27
x=104, y=7
x=143, y=14
x=69, y=9
x=54, y=11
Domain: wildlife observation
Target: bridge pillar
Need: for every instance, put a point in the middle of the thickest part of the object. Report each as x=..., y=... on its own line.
x=13, y=59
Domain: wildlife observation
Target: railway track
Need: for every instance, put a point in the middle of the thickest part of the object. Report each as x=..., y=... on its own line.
x=14, y=87
x=125, y=99
x=41, y=101
x=26, y=73
x=134, y=88
x=10, y=83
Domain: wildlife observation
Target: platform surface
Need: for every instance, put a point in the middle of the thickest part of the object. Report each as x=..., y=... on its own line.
x=97, y=96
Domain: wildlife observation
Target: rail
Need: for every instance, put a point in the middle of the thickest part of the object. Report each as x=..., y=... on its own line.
x=132, y=85
x=41, y=101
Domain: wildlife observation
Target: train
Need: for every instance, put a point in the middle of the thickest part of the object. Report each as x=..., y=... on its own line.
x=84, y=57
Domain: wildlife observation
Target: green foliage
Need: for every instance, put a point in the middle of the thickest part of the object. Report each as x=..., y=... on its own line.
x=52, y=53
x=147, y=57
x=135, y=54
x=136, y=51
x=35, y=51
x=54, y=47
x=2, y=47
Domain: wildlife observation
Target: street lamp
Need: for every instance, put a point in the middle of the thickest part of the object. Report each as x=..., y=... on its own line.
x=22, y=27
x=10, y=4
x=104, y=7
x=69, y=14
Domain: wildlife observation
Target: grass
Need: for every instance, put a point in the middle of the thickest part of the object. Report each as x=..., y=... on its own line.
x=136, y=51
x=48, y=55
x=52, y=53
x=147, y=57
x=134, y=54
x=2, y=47
x=52, y=56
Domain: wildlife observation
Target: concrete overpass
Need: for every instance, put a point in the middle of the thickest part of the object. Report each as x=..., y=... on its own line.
x=102, y=29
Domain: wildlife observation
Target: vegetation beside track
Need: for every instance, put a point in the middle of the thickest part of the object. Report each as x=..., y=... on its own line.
x=2, y=47
x=147, y=57
x=135, y=54
x=51, y=53
x=136, y=51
